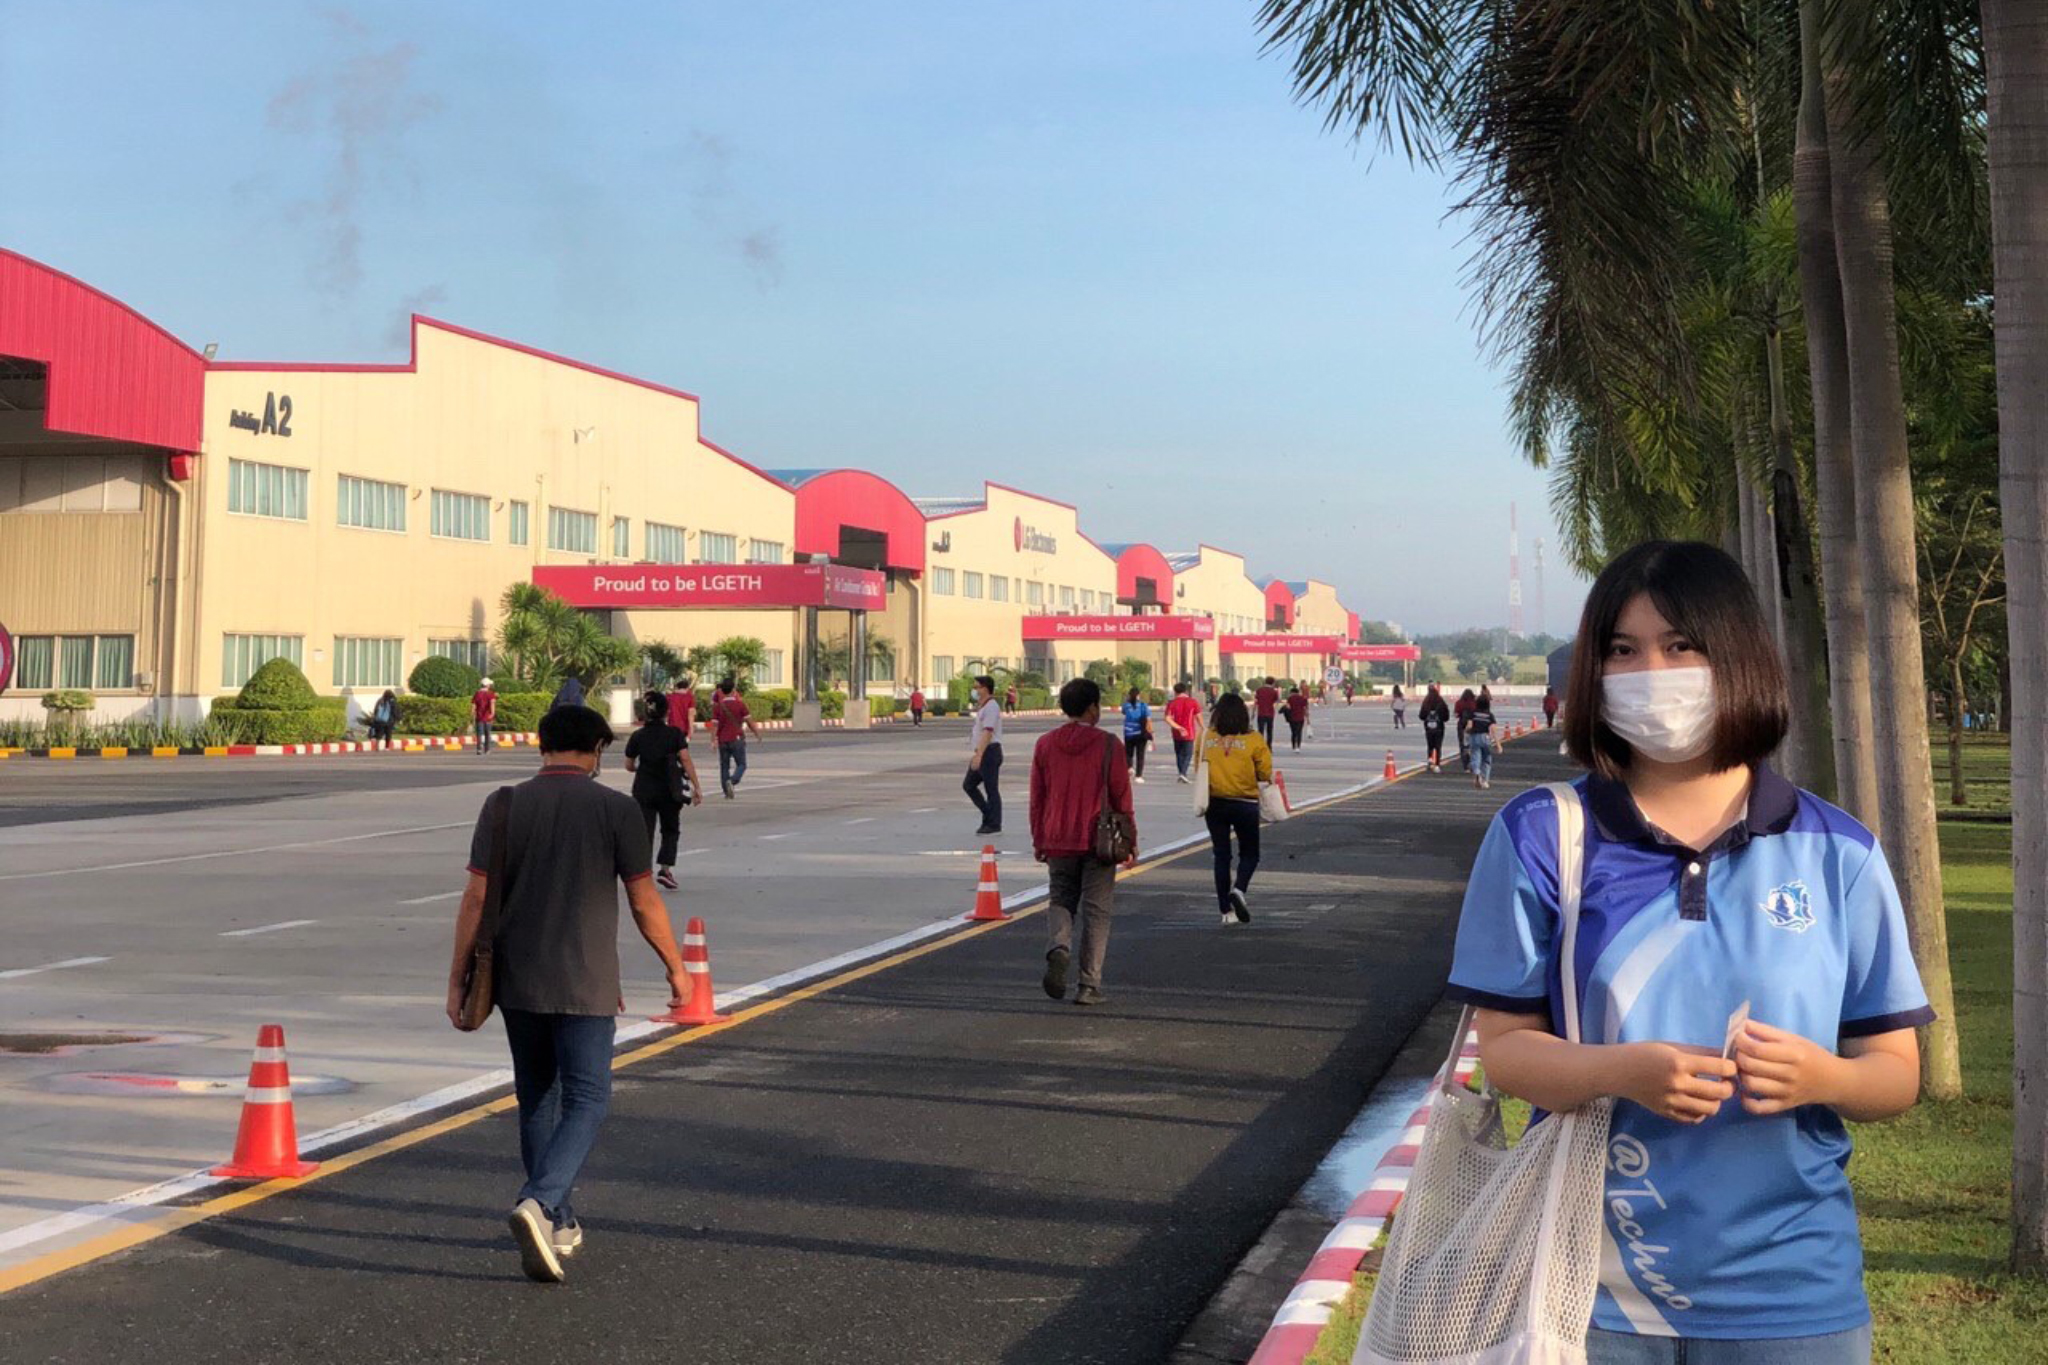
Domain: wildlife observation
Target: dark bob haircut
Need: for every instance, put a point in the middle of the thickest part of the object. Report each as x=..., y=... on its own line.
x=573, y=730
x=1707, y=598
x=1230, y=716
x=1078, y=694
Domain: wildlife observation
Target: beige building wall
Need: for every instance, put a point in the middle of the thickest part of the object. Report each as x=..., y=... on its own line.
x=472, y=417
x=1218, y=587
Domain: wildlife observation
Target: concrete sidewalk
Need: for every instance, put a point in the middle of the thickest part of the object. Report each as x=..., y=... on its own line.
x=932, y=1162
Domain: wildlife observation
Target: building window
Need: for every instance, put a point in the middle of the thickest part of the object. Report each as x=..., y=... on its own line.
x=622, y=537
x=716, y=548
x=266, y=490
x=465, y=516
x=71, y=483
x=87, y=663
x=882, y=667
x=998, y=588
x=369, y=504
x=1066, y=599
x=573, y=531
x=942, y=669
x=1069, y=670
x=360, y=661
x=771, y=668
x=942, y=582
x=665, y=544
x=972, y=585
x=519, y=523
x=242, y=655
x=475, y=653
x=764, y=552
x=1034, y=594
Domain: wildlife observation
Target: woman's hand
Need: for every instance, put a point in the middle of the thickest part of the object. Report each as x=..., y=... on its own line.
x=1681, y=1083
x=455, y=994
x=1782, y=1070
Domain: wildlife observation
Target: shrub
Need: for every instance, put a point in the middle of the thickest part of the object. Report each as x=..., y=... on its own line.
x=771, y=703
x=521, y=711
x=432, y=716
x=277, y=686
x=322, y=722
x=885, y=706
x=1035, y=699
x=832, y=705
x=435, y=676
x=70, y=701
x=1155, y=696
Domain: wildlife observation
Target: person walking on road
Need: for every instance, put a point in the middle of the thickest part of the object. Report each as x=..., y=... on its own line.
x=1400, y=706
x=1073, y=773
x=383, y=717
x=730, y=715
x=483, y=713
x=1184, y=719
x=561, y=843
x=682, y=705
x=1479, y=741
x=570, y=693
x=1467, y=700
x=1010, y=700
x=985, y=762
x=1435, y=716
x=1350, y=689
x=1239, y=762
x=916, y=707
x=1746, y=967
x=1297, y=716
x=1265, y=703
x=1137, y=732
x=1549, y=708
x=664, y=781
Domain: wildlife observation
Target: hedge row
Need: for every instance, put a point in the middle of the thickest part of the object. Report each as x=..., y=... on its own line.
x=518, y=712
x=324, y=721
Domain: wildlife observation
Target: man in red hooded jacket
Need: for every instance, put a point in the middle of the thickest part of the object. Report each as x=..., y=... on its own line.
x=1074, y=770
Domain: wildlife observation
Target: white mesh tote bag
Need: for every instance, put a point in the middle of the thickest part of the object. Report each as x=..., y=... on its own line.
x=1494, y=1258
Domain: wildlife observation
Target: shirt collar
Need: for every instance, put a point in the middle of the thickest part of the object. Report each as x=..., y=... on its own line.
x=564, y=770
x=1773, y=802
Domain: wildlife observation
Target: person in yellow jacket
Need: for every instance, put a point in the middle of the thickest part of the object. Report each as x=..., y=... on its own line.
x=1239, y=761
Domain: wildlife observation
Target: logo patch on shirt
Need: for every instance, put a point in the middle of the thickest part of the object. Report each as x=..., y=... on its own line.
x=1789, y=908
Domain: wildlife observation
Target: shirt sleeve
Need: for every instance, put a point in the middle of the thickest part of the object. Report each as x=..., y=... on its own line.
x=1506, y=933
x=1883, y=990
x=632, y=849
x=480, y=840
x=635, y=743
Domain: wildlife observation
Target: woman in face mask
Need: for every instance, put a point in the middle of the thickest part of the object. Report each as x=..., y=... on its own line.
x=1744, y=972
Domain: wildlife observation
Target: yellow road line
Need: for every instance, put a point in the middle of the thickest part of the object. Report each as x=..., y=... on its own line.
x=172, y=1220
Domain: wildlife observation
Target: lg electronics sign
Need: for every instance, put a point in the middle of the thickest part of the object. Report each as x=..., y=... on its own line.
x=6, y=659
x=1031, y=538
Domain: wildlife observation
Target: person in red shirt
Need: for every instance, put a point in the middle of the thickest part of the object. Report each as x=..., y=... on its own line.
x=1297, y=715
x=1265, y=702
x=1074, y=770
x=729, y=714
x=917, y=706
x=682, y=706
x=1184, y=719
x=1549, y=707
x=483, y=711
x=1467, y=703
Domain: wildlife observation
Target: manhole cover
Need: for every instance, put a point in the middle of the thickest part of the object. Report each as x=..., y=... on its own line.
x=58, y=1043
x=147, y=1085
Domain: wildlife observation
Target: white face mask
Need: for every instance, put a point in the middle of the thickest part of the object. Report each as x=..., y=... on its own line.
x=1665, y=714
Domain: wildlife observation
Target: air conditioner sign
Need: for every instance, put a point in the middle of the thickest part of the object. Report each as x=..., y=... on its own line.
x=1033, y=539
x=274, y=420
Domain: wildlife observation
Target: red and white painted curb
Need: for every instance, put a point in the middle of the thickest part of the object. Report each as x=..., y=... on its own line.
x=1325, y=1281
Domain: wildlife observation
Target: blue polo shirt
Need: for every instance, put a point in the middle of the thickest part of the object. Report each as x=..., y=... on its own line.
x=1740, y=1227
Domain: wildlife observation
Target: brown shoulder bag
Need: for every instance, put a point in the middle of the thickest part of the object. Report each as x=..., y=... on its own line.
x=1115, y=832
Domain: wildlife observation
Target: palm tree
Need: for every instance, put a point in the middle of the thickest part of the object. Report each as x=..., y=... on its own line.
x=2016, y=57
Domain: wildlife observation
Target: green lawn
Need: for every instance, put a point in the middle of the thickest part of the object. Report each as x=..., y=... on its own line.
x=1934, y=1186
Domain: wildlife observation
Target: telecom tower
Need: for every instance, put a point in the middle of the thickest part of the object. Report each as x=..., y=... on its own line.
x=1514, y=574
x=1536, y=569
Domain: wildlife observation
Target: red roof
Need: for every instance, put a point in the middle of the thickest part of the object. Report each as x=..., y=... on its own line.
x=1134, y=562
x=1279, y=605
x=113, y=373
x=830, y=500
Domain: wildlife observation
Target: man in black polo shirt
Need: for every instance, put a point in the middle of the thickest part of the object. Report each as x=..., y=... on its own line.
x=569, y=842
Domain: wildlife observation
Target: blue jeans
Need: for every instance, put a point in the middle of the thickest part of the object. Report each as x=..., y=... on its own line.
x=1229, y=815
x=1623, y=1348
x=483, y=736
x=1184, y=756
x=732, y=760
x=981, y=789
x=1482, y=756
x=562, y=1075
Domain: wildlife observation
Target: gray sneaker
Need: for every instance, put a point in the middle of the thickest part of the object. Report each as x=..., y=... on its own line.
x=536, y=1238
x=568, y=1236
x=1089, y=995
x=1055, y=982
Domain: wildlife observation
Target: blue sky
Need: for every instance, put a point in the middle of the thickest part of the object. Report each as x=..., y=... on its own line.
x=1095, y=250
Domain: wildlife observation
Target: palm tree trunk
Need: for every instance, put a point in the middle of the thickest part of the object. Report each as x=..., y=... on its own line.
x=1884, y=504
x=1827, y=361
x=2016, y=52
x=1810, y=750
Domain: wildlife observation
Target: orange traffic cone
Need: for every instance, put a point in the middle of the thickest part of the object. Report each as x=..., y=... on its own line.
x=698, y=1009
x=1391, y=772
x=1280, y=781
x=267, y=1143
x=988, y=896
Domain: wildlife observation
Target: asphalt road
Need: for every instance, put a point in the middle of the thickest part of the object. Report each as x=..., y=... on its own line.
x=208, y=897
x=932, y=1163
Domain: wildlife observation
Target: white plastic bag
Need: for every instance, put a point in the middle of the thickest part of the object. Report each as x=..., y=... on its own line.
x=1495, y=1254
x=1273, y=806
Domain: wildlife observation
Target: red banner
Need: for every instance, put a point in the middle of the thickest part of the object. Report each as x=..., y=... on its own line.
x=1280, y=644
x=1119, y=628
x=1380, y=654
x=718, y=586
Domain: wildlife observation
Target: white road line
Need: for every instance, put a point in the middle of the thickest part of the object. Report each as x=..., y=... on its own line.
x=924, y=810
x=863, y=820
x=232, y=852
x=429, y=900
x=51, y=967
x=775, y=836
x=272, y=928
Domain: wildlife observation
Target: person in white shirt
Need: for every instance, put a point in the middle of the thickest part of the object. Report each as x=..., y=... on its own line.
x=986, y=763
